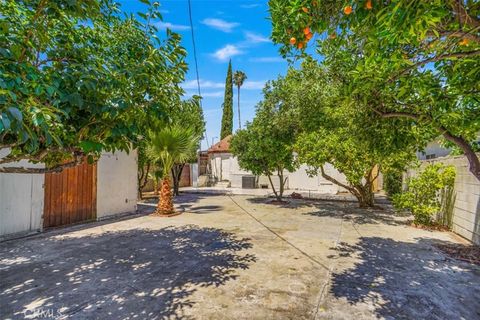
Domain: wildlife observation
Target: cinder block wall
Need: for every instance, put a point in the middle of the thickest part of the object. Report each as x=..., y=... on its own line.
x=466, y=214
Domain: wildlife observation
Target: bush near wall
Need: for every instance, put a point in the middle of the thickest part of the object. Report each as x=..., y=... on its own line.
x=426, y=195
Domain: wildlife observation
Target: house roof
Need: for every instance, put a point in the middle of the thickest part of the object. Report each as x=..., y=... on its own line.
x=221, y=146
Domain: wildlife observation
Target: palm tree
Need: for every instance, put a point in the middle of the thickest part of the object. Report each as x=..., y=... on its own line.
x=238, y=78
x=168, y=146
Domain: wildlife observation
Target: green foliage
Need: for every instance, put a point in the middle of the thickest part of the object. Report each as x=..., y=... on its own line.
x=78, y=77
x=239, y=77
x=338, y=129
x=265, y=146
x=422, y=197
x=169, y=145
x=392, y=182
x=185, y=113
x=227, y=116
x=417, y=60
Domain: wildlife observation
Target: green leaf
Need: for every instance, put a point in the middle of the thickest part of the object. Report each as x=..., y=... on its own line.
x=15, y=113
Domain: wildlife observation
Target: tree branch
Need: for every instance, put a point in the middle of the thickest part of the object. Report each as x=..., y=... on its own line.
x=57, y=168
x=335, y=181
x=464, y=54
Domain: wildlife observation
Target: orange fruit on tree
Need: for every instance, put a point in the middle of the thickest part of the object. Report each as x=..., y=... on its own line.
x=305, y=9
x=347, y=10
x=300, y=45
x=306, y=30
x=293, y=41
x=332, y=35
x=368, y=5
x=309, y=36
x=464, y=42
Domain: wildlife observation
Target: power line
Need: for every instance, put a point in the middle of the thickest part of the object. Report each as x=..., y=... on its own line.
x=195, y=59
x=194, y=46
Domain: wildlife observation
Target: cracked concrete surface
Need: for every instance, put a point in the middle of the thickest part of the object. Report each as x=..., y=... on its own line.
x=239, y=257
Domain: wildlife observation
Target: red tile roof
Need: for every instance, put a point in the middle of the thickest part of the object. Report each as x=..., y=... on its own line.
x=221, y=146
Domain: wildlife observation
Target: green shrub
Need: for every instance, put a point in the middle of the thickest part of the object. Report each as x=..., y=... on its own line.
x=392, y=182
x=423, y=194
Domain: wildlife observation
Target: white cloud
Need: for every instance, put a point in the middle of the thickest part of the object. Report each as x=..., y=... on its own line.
x=253, y=85
x=176, y=27
x=220, y=24
x=267, y=59
x=255, y=38
x=227, y=52
x=250, y=6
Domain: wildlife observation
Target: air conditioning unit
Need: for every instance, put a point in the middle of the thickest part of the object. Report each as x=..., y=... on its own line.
x=248, y=182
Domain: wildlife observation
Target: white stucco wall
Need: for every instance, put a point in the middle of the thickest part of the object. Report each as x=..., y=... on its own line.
x=225, y=167
x=116, y=183
x=21, y=199
x=433, y=149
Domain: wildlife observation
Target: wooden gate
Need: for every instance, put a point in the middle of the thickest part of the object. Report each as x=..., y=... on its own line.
x=70, y=196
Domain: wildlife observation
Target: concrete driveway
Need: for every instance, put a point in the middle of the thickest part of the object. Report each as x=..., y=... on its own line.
x=239, y=257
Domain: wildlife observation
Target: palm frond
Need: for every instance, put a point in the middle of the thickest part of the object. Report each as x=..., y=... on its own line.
x=170, y=145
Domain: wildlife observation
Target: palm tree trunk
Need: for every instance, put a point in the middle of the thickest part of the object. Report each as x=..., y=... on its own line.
x=238, y=106
x=165, y=201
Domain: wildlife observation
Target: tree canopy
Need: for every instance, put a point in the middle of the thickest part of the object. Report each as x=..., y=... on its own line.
x=335, y=128
x=79, y=77
x=418, y=60
x=265, y=146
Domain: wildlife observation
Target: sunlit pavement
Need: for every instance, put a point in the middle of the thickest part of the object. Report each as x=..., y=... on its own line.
x=239, y=257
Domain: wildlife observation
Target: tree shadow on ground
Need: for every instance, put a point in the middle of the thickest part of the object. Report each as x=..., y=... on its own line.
x=405, y=280
x=346, y=210
x=349, y=211
x=142, y=274
x=185, y=202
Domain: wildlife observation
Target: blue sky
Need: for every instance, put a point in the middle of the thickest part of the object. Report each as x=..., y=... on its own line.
x=224, y=29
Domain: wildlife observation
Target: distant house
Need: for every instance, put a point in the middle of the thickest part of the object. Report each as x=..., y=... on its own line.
x=32, y=202
x=434, y=149
x=225, y=170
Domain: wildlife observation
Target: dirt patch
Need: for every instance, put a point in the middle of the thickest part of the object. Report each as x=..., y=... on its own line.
x=432, y=227
x=277, y=202
x=470, y=254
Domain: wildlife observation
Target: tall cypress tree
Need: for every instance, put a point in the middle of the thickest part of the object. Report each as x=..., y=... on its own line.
x=227, y=117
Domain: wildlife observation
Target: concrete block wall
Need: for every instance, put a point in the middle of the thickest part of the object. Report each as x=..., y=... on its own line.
x=466, y=213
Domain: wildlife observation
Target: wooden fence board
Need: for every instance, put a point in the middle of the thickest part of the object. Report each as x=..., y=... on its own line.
x=70, y=196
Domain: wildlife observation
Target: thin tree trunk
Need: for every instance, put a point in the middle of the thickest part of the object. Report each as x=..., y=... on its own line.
x=238, y=106
x=165, y=202
x=282, y=183
x=177, y=174
x=143, y=180
x=273, y=188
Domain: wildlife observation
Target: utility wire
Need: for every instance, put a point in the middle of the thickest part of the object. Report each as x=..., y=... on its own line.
x=315, y=261
x=195, y=59
x=194, y=46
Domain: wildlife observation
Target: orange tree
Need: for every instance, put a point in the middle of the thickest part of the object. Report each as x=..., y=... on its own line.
x=417, y=60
